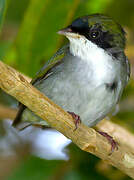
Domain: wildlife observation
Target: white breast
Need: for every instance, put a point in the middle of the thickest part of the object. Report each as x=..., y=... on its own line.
x=104, y=67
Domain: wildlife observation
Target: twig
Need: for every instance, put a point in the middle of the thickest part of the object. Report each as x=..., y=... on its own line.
x=86, y=138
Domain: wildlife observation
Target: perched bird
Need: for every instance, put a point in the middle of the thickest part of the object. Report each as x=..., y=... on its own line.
x=87, y=76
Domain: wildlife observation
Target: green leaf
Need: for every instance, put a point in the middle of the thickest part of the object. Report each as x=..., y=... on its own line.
x=27, y=31
x=37, y=39
x=46, y=37
x=2, y=11
x=97, y=6
x=87, y=7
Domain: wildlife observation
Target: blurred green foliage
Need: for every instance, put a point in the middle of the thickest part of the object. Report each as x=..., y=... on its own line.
x=29, y=39
x=2, y=10
x=80, y=167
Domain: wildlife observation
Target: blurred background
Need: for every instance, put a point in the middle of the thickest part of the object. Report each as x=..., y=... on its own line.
x=28, y=38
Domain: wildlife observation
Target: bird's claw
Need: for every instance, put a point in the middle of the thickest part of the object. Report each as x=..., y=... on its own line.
x=76, y=118
x=114, y=144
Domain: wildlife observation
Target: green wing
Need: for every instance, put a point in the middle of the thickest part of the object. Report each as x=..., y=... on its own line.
x=56, y=59
x=43, y=73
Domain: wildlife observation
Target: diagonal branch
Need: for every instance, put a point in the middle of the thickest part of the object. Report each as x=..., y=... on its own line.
x=85, y=138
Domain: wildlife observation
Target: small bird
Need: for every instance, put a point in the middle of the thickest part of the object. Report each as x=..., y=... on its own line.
x=87, y=76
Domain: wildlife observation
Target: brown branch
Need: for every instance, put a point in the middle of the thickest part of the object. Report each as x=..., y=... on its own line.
x=86, y=138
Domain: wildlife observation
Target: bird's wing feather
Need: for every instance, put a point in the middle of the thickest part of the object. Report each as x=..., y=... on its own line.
x=56, y=59
x=42, y=74
x=128, y=70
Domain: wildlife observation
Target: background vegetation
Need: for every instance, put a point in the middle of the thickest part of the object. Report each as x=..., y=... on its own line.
x=28, y=38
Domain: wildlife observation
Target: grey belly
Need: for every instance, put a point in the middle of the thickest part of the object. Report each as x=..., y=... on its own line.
x=91, y=102
x=73, y=85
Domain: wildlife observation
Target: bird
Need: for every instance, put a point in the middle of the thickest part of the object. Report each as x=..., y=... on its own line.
x=87, y=76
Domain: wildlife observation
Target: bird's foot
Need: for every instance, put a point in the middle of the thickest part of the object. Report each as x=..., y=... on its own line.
x=114, y=144
x=76, y=118
x=34, y=125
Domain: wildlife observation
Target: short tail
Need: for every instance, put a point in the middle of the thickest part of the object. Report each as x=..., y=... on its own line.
x=18, y=116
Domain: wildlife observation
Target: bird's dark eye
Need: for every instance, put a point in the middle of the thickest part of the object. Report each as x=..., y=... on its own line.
x=95, y=34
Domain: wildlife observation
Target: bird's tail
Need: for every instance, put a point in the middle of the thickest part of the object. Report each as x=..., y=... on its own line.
x=17, y=119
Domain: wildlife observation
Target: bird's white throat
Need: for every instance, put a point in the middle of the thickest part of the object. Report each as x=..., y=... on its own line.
x=86, y=50
x=97, y=58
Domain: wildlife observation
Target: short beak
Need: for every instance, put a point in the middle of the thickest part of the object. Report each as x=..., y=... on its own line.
x=65, y=31
x=69, y=33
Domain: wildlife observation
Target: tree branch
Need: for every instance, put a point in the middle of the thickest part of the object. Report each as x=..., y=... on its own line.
x=85, y=138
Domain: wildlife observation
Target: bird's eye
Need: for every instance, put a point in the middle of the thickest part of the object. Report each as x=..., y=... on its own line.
x=95, y=34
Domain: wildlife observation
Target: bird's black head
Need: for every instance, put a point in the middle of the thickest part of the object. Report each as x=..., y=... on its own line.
x=100, y=29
